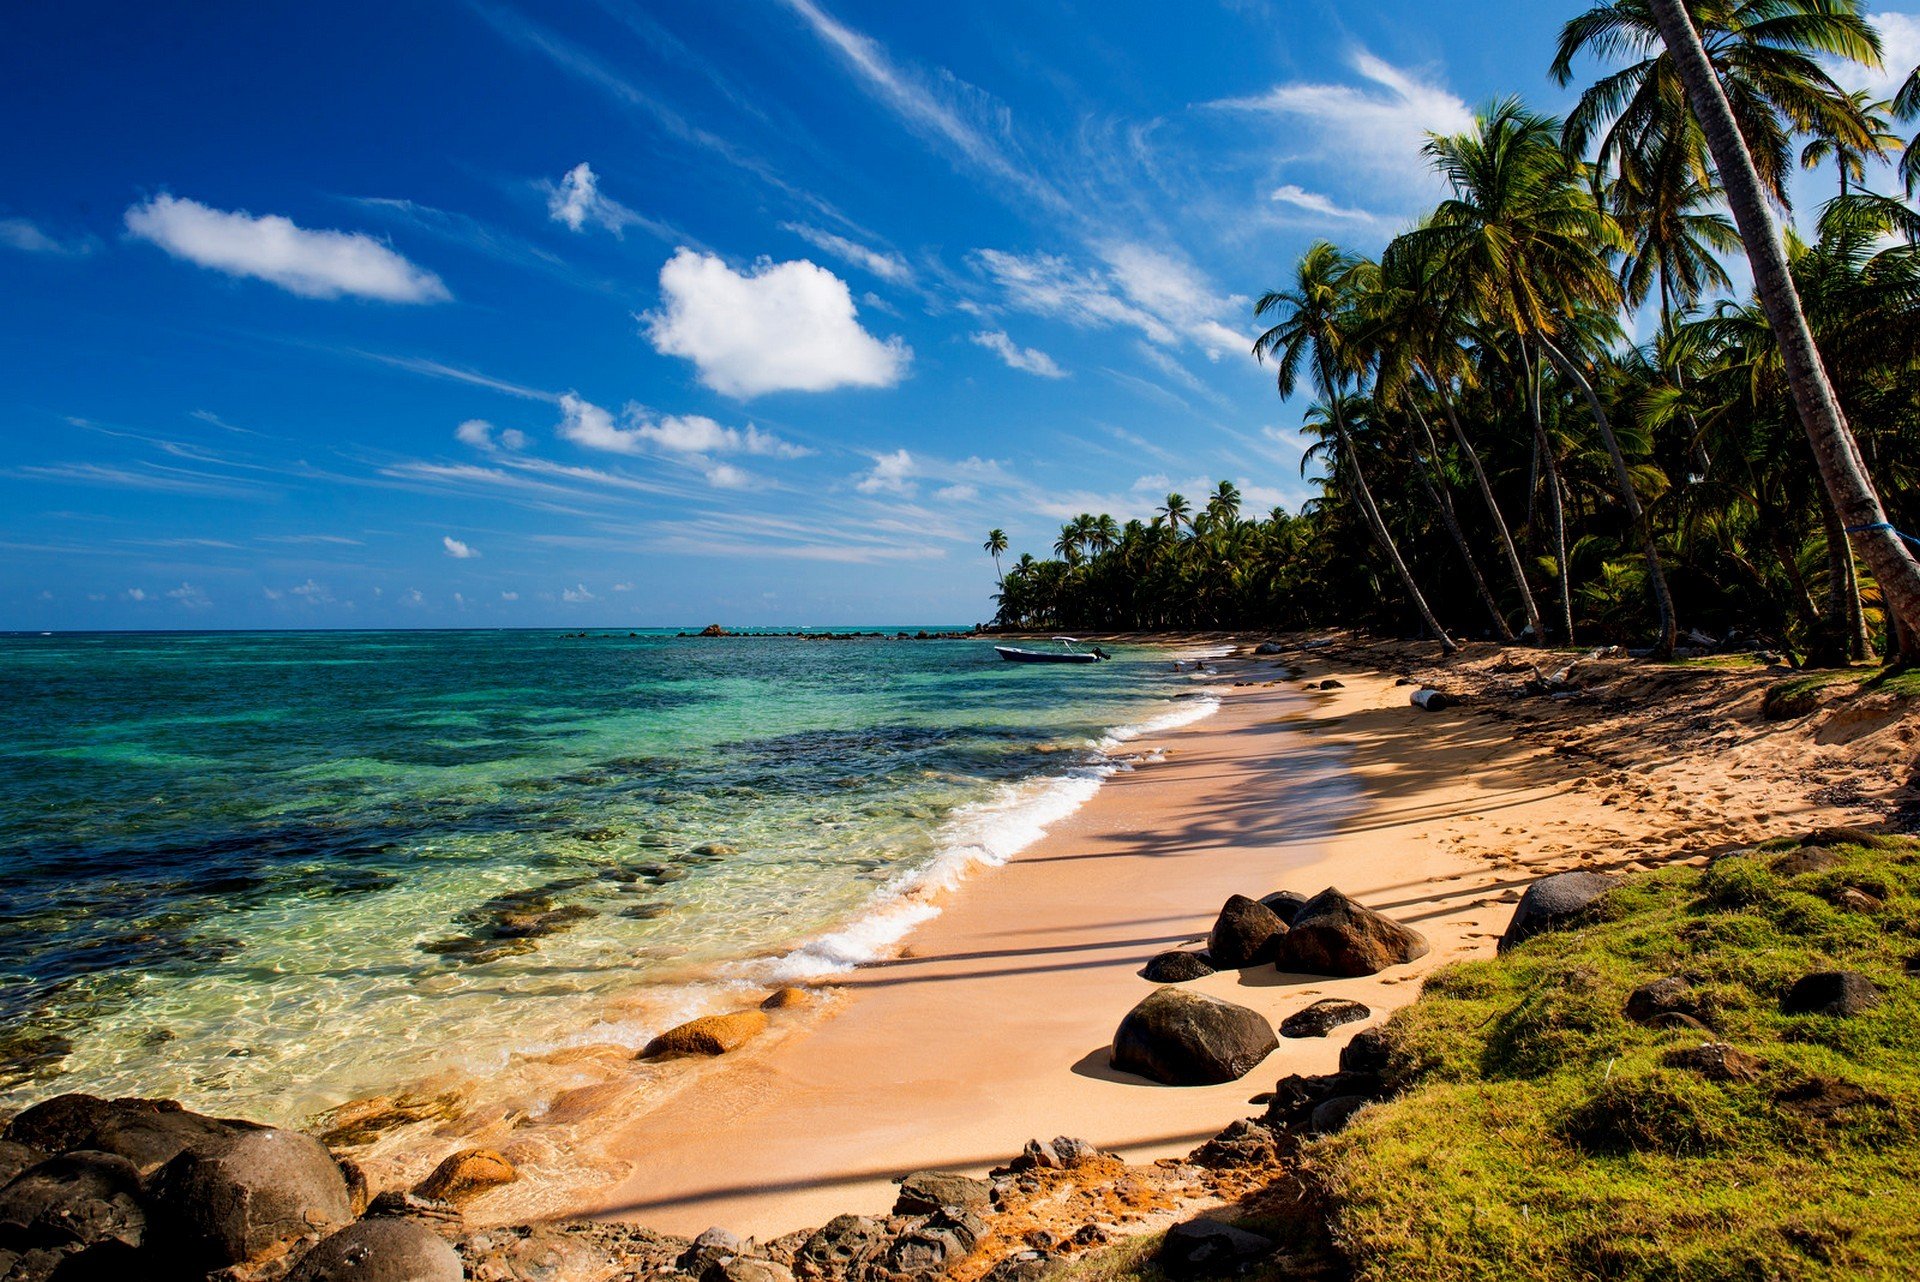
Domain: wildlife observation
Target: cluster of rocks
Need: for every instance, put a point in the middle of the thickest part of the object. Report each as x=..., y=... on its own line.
x=1184, y=1038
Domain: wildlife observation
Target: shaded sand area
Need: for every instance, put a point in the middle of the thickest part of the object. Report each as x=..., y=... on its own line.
x=992, y=1028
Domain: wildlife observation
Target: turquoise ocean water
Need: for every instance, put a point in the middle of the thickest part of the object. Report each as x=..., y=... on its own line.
x=270, y=872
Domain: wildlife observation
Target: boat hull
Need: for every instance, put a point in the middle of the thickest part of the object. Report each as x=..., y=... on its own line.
x=1013, y=654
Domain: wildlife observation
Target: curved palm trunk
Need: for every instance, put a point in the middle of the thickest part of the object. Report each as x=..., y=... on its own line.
x=1436, y=488
x=1382, y=535
x=1556, y=507
x=1841, y=468
x=1472, y=456
x=1642, y=528
x=1846, y=620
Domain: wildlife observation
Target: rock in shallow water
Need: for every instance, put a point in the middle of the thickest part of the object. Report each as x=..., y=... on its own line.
x=1335, y=935
x=465, y=1175
x=380, y=1251
x=709, y=1035
x=1323, y=1017
x=1187, y=1039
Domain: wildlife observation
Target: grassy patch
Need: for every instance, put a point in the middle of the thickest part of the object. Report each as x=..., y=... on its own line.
x=1542, y=1134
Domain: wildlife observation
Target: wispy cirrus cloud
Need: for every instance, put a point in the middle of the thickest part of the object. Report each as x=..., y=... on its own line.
x=312, y=264
x=1030, y=360
x=576, y=202
x=29, y=238
x=1312, y=202
x=889, y=267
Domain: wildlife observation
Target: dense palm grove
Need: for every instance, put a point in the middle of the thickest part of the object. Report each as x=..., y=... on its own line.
x=1497, y=459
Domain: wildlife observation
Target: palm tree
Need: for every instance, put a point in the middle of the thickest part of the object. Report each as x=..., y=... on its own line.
x=1223, y=505
x=995, y=545
x=1177, y=509
x=1851, y=148
x=1312, y=325
x=1837, y=453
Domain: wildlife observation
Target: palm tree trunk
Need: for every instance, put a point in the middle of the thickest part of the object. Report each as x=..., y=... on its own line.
x=1834, y=448
x=1382, y=535
x=1436, y=488
x=1556, y=509
x=1846, y=620
x=1472, y=456
x=1637, y=515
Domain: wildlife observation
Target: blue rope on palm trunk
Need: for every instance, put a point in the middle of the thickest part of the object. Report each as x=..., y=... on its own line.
x=1883, y=525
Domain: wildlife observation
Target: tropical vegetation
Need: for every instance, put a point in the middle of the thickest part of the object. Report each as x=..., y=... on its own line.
x=1543, y=413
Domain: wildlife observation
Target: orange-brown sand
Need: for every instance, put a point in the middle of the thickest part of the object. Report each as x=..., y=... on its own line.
x=993, y=1027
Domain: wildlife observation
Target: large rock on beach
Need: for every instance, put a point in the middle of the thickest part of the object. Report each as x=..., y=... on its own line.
x=147, y=1132
x=1246, y=933
x=709, y=1035
x=1335, y=935
x=1285, y=904
x=251, y=1195
x=465, y=1175
x=1553, y=902
x=1187, y=1039
x=380, y=1251
x=1323, y=1017
x=79, y=1199
x=1176, y=967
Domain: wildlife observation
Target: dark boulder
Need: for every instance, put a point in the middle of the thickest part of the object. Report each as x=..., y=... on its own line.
x=1061, y=1153
x=1717, y=1062
x=1811, y=859
x=1323, y=1017
x=924, y=1192
x=1553, y=902
x=251, y=1195
x=1672, y=995
x=15, y=1158
x=713, y=1246
x=1332, y=1115
x=1285, y=904
x=1246, y=933
x=1831, y=992
x=841, y=1248
x=1246, y=1143
x=1187, y=1039
x=942, y=1240
x=1335, y=935
x=1208, y=1248
x=1176, y=967
x=77, y=1199
x=1367, y=1051
x=380, y=1251
x=147, y=1132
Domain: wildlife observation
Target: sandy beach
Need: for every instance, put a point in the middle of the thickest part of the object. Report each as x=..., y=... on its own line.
x=993, y=1025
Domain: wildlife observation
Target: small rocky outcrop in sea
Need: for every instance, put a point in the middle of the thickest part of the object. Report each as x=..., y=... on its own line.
x=1189, y=1039
x=1553, y=902
x=1335, y=935
x=709, y=1035
x=1246, y=933
x=465, y=1175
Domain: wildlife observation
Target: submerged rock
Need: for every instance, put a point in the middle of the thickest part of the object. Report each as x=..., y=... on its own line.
x=1839, y=993
x=250, y=1195
x=1246, y=933
x=708, y=1035
x=789, y=998
x=1323, y=1017
x=1176, y=967
x=467, y=1174
x=1552, y=902
x=380, y=1251
x=1335, y=935
x=1188, y=1039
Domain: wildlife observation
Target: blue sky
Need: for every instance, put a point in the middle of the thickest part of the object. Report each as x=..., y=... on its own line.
x=603, y=312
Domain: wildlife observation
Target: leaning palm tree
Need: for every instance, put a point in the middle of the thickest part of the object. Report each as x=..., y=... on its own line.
x=1834, y=448
x=995, y=546
x=1311, y=325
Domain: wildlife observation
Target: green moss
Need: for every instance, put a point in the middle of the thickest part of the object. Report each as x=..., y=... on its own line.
x=1541, y=1134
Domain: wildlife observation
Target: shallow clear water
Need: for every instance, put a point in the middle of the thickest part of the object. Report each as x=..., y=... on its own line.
x=269, y=872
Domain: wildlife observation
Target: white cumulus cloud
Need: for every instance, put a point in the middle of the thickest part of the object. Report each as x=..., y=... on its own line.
x=1030, y=359
x=313, y=264
x=891, y=474
x=509, y=596
x=777, y=327
x=576, y=594
x=636, y=432
x=458, y=550
x=576, y=200
x=136, y=594
x=190, y=596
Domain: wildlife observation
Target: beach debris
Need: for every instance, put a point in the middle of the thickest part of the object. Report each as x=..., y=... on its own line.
x=72, y=1203
x=380, y=1251
x=1323, y=1017
x=1669, y=996
x=789, y=998
x=1839, y=993
x=1285, y=904
x=1187, y=1039
x=1246, y=933
x=1553, y=902
x=250, y=1196
x=1209, y=1248
x=924, y=1192
x=1717, y=1062
x=1335, y=935
x=708, y=1035
x=1176, y=966
x=465, y=1175
x=1430, y=700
